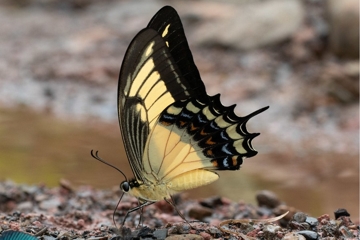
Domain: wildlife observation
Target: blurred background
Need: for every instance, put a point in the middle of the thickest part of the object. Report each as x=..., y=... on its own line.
x=59, y=65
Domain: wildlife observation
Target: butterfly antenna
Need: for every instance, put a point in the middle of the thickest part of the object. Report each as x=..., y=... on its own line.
x=96, y=156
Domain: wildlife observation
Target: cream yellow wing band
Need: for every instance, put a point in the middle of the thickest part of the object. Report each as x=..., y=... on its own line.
x=192, y=179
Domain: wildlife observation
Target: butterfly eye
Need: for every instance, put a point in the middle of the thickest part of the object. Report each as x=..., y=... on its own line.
x=125, y=187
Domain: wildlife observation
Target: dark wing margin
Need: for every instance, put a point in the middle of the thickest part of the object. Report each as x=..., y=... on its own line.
x=179, y=48
x=158, y=69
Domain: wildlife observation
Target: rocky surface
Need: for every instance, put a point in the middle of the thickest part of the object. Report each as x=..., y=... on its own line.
x=86, y=213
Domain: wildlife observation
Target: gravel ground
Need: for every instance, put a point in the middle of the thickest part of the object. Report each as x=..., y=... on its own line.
x=86, y=213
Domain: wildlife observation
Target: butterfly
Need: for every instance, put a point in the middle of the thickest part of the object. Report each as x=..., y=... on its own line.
x=16, y=235
x=175, y=135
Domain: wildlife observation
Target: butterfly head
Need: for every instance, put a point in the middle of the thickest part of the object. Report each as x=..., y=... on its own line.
x=126, y=185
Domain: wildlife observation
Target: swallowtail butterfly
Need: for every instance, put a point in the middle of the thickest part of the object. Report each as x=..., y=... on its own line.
x=175, y=135
x=16, y=235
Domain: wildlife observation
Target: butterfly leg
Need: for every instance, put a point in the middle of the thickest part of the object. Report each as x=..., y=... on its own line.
x=141, y=216
x=144, y=204
x=172, y=203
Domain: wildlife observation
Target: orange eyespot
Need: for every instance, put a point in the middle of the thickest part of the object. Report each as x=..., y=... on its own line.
x=192, y=127
x=234, y=160
x=165, y=123
x=209, y=142
x=203, y=133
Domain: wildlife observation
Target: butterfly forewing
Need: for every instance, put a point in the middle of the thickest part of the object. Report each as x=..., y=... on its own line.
x=157, y=70
x=168, y=24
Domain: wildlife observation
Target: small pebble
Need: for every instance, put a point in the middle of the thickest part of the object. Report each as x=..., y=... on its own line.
x=179, y=229
x=116, y=238
x=50, y=204
x=66, y=185
x=205, y=235
x=199, y=212
x=271, y=228
x=211, y=202
x=341, y=212
x=293, y=236
x=325, y=217
x=313, y=222
x=264, y=211
x=41, y=197
x=299, y=217
x=215, y=232
x=309, y=235
x=30, y=189
x=48, y=238
x=267, y=198
x=125, y=233
x=160, y=233
x=345, y=232
x=25, y=206
x=256, y=233
x=185, y=237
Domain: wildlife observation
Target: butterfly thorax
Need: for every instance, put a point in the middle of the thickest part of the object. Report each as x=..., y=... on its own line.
x=147, y=192
x=155, y=191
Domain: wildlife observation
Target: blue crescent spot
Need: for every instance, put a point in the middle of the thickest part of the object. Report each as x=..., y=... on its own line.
x=15, y=235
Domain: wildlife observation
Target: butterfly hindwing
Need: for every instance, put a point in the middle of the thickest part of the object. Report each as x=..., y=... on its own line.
x=193, y=135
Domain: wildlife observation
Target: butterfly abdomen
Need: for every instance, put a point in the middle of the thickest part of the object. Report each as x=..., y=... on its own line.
x=151, y=192
x=192, y=179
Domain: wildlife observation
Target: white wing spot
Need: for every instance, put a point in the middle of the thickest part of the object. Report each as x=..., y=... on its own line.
x=149, y=49
x=225, y=163
x=166, y=31
x=225, y=150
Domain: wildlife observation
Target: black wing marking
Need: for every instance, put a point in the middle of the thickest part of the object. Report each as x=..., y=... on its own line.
x=179, y=48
